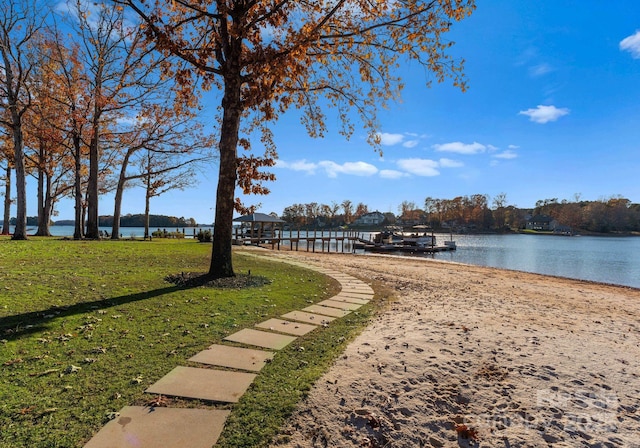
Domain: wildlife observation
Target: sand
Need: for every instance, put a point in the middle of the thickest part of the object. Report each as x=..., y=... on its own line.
x=472, y=356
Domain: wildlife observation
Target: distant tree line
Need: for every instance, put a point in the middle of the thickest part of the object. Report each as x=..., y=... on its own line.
x=478, y=213
x=125, y=221
x=154, y=221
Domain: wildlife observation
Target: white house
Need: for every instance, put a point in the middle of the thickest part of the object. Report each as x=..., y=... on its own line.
x=370, y=219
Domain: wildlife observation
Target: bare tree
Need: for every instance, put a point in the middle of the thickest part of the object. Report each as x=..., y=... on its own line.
x=167, y=143
x=161, y=174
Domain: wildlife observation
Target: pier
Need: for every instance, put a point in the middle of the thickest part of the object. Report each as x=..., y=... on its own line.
x=342, y=240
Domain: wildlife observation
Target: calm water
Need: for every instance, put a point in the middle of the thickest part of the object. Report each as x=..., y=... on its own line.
x=603, y=259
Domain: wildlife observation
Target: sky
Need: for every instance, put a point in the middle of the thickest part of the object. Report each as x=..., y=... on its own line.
x=552, y=111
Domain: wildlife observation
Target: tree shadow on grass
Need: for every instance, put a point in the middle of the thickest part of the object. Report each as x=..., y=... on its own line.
x=18, y=326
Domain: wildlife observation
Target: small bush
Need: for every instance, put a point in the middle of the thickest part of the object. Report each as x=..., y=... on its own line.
x=204, y=236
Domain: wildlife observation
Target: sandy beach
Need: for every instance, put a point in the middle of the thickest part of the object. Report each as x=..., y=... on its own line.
x=471, y=356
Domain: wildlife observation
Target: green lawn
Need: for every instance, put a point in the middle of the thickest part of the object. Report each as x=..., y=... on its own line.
x=86, y=327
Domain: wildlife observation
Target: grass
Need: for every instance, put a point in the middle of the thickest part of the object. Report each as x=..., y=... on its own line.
x=86, y=327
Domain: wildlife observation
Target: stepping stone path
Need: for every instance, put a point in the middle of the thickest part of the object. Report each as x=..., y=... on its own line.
x=150, y=427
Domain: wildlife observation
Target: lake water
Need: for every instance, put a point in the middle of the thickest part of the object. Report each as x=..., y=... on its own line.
x=613, y=260
x=603, y=259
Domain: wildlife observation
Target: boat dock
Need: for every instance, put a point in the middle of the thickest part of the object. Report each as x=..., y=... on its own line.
x=339, y=240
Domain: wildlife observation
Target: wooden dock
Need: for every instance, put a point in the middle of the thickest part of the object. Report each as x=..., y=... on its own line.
x=342, y=241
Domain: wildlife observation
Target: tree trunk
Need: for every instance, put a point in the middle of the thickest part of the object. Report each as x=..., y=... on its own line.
x=221, y=263
x=78, y=232
x=7, y=202
x=92, y=187
x=20, y=231
x=147, y=200
x=47, y=210
x=117, y=208
x=92, y=231
x=44, y=200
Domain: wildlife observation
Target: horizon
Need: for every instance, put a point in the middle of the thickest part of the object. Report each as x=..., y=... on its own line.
x=551, y=112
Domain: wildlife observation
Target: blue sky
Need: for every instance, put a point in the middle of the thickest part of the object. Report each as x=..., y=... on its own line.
x=552, y=110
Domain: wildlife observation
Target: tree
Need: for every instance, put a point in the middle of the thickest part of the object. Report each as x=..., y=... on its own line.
x=46, y=134
x=347, y=209
x=120, y=73
x=167, y=142
x=19, y=26
x=266, y=56
x=499, y=203
x=7, y=155
x=406, y=208
x=159, y=175
x=73, y=100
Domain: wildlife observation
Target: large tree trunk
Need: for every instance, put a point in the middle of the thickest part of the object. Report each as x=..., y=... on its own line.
x=221, y=263
x=7, y=202
x=92, y=231
x=92, y=187
x=20, y=231
x=78, y=232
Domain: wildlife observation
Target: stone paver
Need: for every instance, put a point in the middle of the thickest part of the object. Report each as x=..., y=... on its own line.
x=359, y=289
x=311, y=318
x=340, y=305
x=203, y=384
x=326, y=311
x=261, y=339
x=285, y=326
x=142, y=427
x=233, y=357
x=357, y=295
x=346, y=298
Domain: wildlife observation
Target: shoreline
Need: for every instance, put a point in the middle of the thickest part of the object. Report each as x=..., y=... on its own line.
x=458, y=263
x=520, y=359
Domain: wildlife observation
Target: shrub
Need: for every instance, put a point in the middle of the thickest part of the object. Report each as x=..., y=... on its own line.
x=204, y=236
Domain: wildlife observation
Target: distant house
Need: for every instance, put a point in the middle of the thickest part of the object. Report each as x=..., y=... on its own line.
x=541, y=222
x=370, y=219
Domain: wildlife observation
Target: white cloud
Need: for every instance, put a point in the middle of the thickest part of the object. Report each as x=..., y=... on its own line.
x=513, y=147
x=392, y=174
x=420, y=167
x=410, y=143
x=350, y=168
x=508, y=154
x=449, y=163
x=300, y=165
x=461, y=148
x=390, y=139
x=544, y=114
x=632, y=45
x=540, y=70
